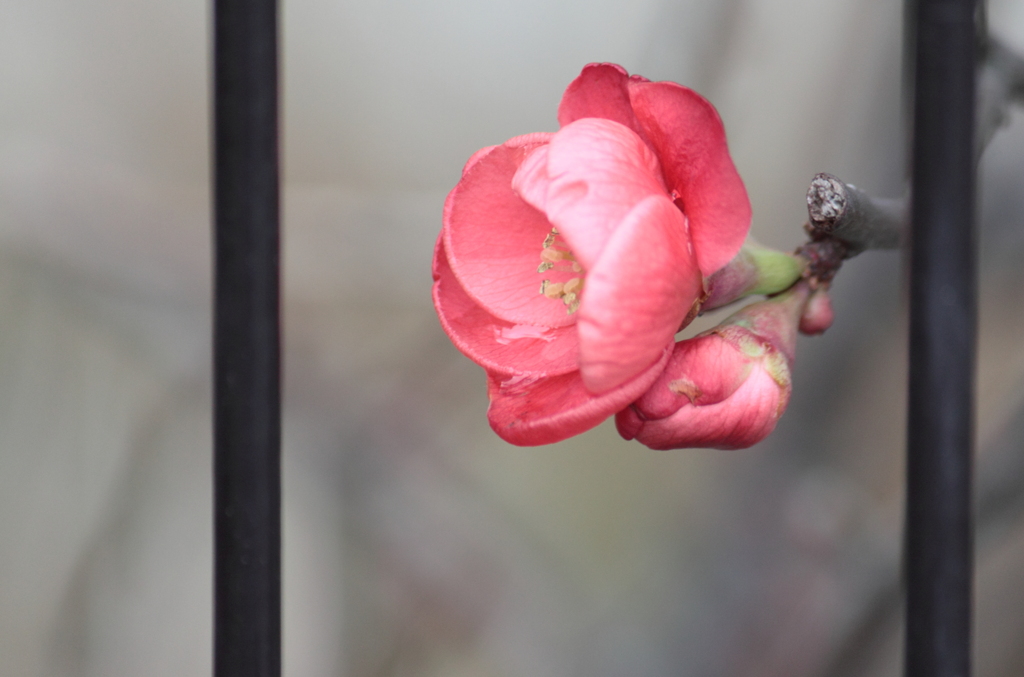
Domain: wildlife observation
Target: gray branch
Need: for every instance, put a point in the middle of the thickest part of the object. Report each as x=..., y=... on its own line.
x=841, y=211
x=844, y=212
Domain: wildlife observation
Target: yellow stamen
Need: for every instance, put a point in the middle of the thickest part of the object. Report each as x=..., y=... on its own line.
x=554, y=253
x=553, y=290
x=551, y=255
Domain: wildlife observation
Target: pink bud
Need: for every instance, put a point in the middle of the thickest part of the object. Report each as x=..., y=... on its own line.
x=817, y=315
x=726, y=388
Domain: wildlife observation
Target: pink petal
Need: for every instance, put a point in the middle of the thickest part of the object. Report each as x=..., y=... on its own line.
x=637, y=294
x=629, y=422
x=476, y=157
x=587, y=179
x=494, y=239
x=493, y=343
x=440, y=258
x=703, y=370
x=600, y=91
x=529, y=411
x=527, y=141
x=742, y=420
x=689, y=138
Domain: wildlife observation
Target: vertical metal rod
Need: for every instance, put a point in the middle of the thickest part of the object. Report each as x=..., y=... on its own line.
x=942, y=343
x=246, y=355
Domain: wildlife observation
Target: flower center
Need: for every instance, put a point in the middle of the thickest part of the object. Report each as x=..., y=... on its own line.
x=555, y=255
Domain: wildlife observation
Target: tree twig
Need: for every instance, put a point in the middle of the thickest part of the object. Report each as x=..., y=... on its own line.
x=841, y=211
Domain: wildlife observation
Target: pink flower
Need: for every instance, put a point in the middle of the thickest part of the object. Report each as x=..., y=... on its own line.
x=568, y=261
x=726, y=388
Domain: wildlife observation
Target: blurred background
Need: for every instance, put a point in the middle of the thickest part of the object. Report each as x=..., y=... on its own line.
x=417, y=542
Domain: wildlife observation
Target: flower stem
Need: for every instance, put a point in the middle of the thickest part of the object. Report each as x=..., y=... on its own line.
x=755, y=270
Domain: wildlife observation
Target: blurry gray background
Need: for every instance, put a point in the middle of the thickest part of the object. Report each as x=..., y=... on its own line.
x=417, y=542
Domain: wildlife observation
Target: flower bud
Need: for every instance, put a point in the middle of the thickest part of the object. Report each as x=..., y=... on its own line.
x=726, y=388
x=817, y=316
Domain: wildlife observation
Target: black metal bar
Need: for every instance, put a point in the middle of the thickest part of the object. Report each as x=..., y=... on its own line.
x=247, y=401
x=942, y=343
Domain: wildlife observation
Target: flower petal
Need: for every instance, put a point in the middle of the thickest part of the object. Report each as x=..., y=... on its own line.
x=637, y=294
x=494, y=239
x=703, y=370
x=742, y=420
x=529, y=411
x=688, y=136
x=600, y=91
x=493, y=343
x=587, y=179
x=476, y=157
